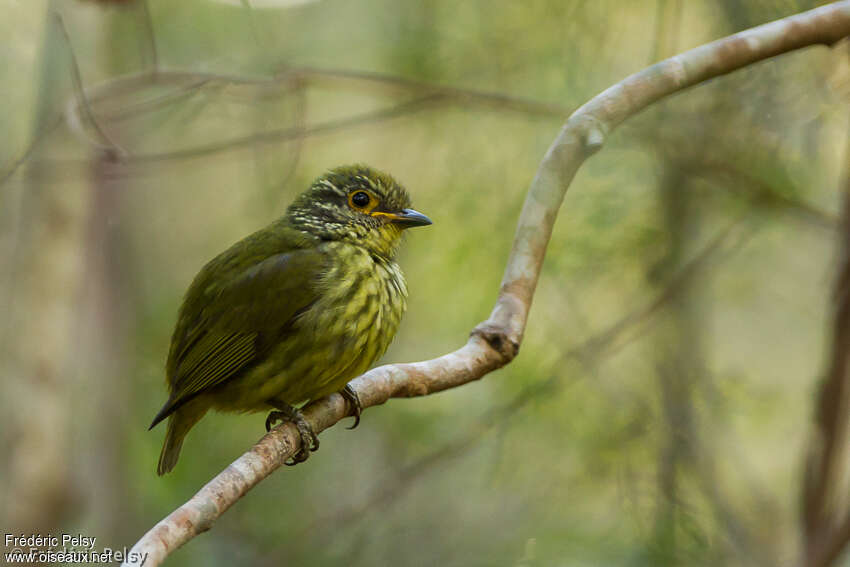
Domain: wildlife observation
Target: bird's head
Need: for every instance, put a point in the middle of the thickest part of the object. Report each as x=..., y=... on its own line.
x=356, y=204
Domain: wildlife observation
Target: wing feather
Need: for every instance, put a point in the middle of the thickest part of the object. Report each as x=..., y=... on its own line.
x=224, y=328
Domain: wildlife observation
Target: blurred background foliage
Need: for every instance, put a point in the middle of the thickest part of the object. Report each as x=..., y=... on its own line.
x=660, y=409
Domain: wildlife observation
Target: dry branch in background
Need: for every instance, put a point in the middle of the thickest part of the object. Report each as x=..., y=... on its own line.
x=496, y=341
x=89, y=123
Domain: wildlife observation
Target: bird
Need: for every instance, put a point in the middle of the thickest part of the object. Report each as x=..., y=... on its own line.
x=294, y=311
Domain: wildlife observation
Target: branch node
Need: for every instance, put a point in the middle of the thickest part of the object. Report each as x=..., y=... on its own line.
x=499, y=339
x=594, y=139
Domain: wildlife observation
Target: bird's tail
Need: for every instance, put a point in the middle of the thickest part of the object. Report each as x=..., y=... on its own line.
x=179, y=424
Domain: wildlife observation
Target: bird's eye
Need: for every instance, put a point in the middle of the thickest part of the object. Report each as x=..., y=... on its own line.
x=362, y=200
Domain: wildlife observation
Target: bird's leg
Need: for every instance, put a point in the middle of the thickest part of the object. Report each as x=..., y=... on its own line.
x=309, y=440
x=352, y=398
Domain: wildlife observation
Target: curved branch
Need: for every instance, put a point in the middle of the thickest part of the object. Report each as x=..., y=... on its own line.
x=496, y=341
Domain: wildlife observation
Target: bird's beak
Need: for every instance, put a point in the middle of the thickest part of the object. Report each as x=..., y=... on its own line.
x=407, y=218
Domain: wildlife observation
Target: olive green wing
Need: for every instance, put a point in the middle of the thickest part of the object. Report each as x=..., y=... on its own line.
x=234, y=322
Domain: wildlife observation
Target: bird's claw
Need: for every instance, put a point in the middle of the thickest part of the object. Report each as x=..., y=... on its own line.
x=309, y=440
x=273, y=418
x=352, y=398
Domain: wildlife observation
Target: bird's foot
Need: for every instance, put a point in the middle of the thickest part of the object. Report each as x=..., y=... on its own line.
x=309, y=440
x=352, y=398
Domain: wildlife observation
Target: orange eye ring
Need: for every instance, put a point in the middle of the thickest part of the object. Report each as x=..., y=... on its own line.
x=362, y=200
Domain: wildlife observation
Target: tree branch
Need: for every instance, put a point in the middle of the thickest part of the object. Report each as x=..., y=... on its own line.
x=496, y=341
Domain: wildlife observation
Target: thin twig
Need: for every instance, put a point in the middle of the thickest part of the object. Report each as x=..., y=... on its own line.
x=302, y=76
x=298, y=132
x=149, y=34
x=295, y=157
x=155, y=103
x=105, y=143
x=762, y=191
x=284, y=134
x=501, y=100
x=10, y=169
